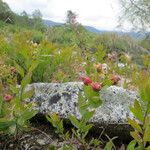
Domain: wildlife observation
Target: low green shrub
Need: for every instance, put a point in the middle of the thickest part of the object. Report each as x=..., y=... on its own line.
x=15, y=113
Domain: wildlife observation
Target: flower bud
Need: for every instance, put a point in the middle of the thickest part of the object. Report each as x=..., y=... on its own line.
x=115, y=79
x=96, y=86
x=8, y=97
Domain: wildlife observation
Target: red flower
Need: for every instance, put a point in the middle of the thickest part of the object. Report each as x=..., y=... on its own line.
x=96, y=86
x=87, y=81
x=115, y=79
x=8, y=97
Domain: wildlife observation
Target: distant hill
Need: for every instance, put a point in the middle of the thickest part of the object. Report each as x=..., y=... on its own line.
x=89, y=28
x=52, y=23
x=136, y=35
x=95, y=30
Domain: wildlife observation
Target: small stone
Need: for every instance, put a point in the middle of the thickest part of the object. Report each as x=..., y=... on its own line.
x=41, y=142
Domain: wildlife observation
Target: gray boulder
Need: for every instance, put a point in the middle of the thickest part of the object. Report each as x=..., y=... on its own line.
x=62, y=98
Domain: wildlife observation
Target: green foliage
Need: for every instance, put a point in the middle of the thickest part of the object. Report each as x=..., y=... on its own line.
x=82, y=126
x=6, y=14
x=110, y=145
x=92, y=97
x=67, y=36
x=100, y=53
x=15, y=116
x=56, y=122
x=37, y=21
x=145, y=42
x=37, y=37
x=61, y=54
x=141, y=111
x=90, y=101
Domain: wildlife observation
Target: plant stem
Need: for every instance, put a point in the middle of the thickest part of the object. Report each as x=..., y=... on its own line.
x=21, y=94
x=143, y=130
x=33, y=128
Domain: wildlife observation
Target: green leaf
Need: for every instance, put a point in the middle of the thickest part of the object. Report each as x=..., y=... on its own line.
x=14, y=89
x=135, y=135
x=60, y=127
x=147, y=121
x=74, y=121
x=28, y=94
x=89, y=93
x=25, y=116
x=139, y=147
x=95, y=142
x=87, y=116
x=107, y=83
x=144, y=91
x=56, y=122
x=67, y=147
x=134, y=124
x=34, y=65
x=82, y=104
x=85, y=128
x=16, y=102
x=4, y=125
x=19, y=69
x=109, y=145
x=92, y=96
x=137, y=111
x=26, y=80
x=95, y=102
x=131, y=145
x=146, y=137
x=148, y=106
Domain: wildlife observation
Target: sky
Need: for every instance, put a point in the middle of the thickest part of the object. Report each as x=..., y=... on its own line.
x=102, y=14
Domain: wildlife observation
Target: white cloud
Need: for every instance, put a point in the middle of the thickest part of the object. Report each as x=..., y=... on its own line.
x=99, y=13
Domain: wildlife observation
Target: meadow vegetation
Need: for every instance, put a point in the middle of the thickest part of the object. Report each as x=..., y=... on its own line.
x=32, y=52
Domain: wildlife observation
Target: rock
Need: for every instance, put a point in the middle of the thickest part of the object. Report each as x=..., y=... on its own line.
x=62, y=98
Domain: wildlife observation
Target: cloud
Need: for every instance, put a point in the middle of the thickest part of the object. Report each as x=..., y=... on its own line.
x=99, y=13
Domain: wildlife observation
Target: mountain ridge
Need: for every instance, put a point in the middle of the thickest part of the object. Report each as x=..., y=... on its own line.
x=133, y=34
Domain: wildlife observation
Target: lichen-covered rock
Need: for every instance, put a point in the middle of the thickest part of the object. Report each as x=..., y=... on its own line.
x=115, y=106
x=62, y=98
x=59, y=98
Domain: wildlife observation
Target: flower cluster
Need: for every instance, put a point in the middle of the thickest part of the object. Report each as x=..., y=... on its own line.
x=96, y=86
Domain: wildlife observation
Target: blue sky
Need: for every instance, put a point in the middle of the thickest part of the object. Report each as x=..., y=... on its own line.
x=102, y=14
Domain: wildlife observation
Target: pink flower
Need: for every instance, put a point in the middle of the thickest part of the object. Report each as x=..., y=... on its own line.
x=8, y=97
x=86, y=80
x=96, y=86
x=115, y=79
